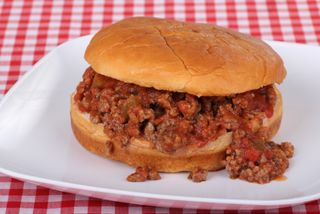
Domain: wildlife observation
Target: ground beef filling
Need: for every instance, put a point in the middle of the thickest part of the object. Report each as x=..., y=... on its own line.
x=172, y=120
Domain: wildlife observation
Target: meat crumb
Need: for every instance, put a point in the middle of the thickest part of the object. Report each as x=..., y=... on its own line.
x=287, y=148
x=258, y=163
x=142, y=174
x=198, y=175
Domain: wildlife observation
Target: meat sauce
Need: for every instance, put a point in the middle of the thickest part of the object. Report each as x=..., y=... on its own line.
x=173, y=120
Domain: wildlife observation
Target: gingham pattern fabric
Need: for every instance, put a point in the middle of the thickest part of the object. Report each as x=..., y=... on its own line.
x=29, y=29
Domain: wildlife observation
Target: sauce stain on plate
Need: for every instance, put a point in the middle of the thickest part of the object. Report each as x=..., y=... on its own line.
x=281, y=178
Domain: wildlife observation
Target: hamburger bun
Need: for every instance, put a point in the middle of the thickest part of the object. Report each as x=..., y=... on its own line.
x=199, y=59
x=140, y=153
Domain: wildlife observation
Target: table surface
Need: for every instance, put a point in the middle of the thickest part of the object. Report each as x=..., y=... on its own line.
x=29, y=29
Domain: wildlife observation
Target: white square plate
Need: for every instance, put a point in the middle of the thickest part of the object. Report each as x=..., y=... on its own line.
x=37, y=144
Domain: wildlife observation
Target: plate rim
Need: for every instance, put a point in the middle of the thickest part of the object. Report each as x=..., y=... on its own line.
x=38, y=180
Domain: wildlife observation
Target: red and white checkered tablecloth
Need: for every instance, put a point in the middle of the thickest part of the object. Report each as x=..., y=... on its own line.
x=29, y=29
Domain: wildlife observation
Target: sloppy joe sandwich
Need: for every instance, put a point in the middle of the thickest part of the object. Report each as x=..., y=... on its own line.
x=169, y=96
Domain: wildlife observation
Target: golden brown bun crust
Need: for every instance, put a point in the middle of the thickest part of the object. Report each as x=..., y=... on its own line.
x=180, y=56
x=140, y=153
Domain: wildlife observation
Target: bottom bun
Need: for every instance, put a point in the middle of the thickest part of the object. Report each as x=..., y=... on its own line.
x=140, y=153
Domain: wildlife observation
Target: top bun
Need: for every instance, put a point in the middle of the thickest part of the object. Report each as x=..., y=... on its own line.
x=199, y=59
